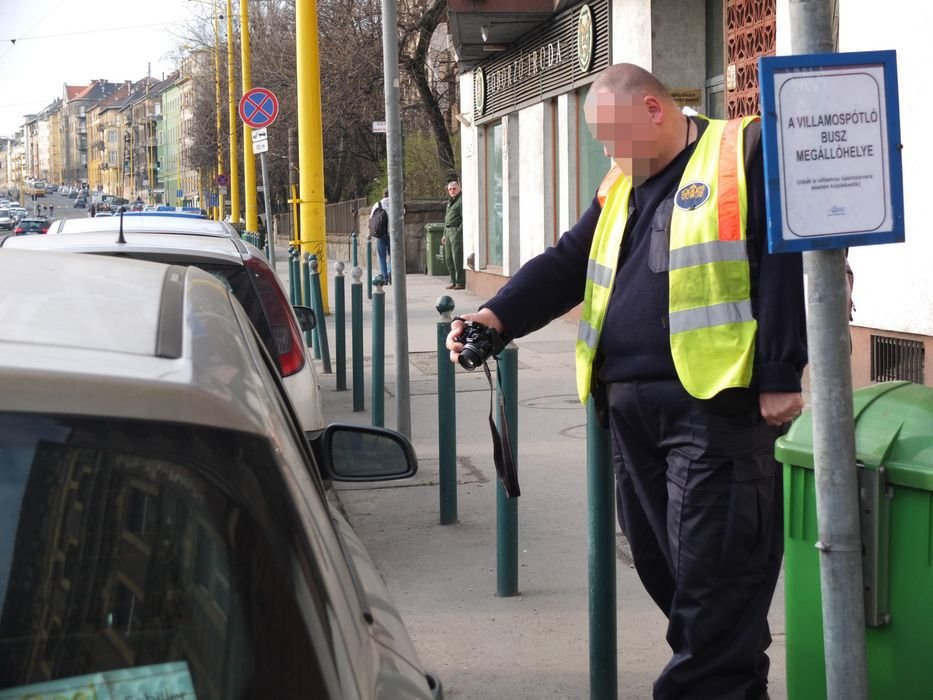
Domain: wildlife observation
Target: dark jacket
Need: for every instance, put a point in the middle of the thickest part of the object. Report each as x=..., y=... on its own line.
x=453, y=218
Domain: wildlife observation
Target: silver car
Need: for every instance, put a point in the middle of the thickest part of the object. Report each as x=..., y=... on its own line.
x=6, y=219
x=217, y=248
x=164, y=531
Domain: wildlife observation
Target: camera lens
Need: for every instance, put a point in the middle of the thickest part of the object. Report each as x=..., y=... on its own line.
x=470, y=359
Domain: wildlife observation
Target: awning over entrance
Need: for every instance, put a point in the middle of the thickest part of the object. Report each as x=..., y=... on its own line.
x=479, y=28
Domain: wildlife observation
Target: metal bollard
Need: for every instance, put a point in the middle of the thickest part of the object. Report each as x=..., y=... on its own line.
x=507, y=508
x=446, y=416
x=340, y=330
x=369, y=267
x=309, y=302
x=310, y=336
x=378, y=361
x=600, y=483
x=354, y=255
x=292, y=276
x=320, y=328
x=356, y=335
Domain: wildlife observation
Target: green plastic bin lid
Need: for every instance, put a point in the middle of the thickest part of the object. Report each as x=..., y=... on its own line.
x=893, y=428
x=434, y=228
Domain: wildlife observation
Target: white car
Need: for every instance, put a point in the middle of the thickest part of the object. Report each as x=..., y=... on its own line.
x=164, y=530
x=215, y=247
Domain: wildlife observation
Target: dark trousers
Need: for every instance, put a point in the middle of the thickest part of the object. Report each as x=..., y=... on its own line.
x=453, y=254
x=699, y=498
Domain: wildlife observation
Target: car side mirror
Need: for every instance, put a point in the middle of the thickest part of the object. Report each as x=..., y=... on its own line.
x=350, y=452
x=306, y=318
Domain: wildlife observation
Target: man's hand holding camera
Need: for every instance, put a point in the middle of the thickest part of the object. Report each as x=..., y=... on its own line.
x=460, y=330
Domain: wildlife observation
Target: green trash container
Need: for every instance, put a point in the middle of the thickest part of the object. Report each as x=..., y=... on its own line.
x=436, y=265
x=894, y=451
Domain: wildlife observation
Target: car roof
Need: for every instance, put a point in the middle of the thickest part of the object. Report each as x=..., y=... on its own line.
x=147, y=222
x=189, y=248
x=88, y=335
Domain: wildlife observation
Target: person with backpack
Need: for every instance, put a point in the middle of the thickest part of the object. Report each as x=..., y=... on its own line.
x=379, y=229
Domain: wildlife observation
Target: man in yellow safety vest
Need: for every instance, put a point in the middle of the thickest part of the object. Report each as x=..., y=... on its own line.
x=692, y=343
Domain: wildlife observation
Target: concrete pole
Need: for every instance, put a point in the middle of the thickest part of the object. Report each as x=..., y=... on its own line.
x=396, y=213
x=233, y=119
x=219, y=208
x=249, y=160
x=310, y=138
x=837, y=505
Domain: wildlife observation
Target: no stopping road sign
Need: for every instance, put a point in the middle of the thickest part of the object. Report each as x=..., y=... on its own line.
x=258, y=108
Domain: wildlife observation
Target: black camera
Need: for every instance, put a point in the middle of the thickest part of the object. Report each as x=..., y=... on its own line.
x=479, y=342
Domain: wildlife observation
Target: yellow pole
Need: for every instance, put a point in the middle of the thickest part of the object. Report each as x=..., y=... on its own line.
x=231, y=111
x=249, y=160
x=310, y=139
x=218, y=209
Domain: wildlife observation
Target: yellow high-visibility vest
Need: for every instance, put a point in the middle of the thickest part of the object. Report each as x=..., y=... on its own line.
x=712, y=330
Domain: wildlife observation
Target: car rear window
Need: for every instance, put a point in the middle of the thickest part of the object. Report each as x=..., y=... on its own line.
x=142, y=559
x=237, y=280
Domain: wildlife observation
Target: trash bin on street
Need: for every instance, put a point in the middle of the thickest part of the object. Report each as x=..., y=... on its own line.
x=436, y=265
x=894, y=452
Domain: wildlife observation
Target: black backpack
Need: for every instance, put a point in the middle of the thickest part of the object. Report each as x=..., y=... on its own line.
x=379, y=222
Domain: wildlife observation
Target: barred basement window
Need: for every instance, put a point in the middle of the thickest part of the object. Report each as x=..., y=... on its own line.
x=896, y=359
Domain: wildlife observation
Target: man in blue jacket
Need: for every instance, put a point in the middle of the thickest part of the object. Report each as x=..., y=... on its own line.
x=692, y=342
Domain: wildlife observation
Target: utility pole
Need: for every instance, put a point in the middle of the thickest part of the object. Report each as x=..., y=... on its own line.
x=837, y=505
x=219, y=208
x=396, y=213
x=232, y=115
x=249, y=160
x=310, y=139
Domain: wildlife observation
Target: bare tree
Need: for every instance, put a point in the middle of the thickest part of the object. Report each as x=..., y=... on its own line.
x=352, y=97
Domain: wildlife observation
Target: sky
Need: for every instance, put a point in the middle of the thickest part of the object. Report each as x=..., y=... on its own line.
x=74, y=42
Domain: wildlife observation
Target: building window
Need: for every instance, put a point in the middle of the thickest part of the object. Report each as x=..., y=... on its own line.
x=494, y=194
x=592, y=162
x=896, y=359
x=111, y=136
x=113, y=157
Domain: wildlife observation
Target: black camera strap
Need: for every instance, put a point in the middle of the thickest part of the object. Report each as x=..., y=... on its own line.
x=501, y=443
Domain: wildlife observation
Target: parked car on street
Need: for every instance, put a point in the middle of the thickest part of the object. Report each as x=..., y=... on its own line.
x=33, y=225
x=79, y=203
x=216, y=248
x=6, y=219
x=164, y=530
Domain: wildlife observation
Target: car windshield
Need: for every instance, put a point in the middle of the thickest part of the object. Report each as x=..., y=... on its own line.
x=140, y=559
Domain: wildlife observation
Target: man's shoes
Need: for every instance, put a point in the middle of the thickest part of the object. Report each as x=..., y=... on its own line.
x=459, y=286
x=451, y=286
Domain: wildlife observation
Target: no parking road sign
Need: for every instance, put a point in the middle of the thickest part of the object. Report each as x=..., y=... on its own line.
x=258, y=108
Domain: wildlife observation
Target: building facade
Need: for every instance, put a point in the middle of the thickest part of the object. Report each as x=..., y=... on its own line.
x=531, y=167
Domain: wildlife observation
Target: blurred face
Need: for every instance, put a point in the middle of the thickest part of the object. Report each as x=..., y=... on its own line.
x=627, y=127
x=453, y=188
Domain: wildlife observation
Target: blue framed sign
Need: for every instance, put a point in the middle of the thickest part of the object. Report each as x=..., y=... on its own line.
x=832, y=150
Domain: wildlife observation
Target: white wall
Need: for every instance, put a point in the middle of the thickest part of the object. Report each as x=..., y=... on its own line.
x=533, y=186
x=894, y=282
x=471, y=150
x=631, y=32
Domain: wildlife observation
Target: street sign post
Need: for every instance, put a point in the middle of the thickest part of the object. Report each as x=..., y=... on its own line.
x=258, y=109
x=831, y=146
x=832, y=160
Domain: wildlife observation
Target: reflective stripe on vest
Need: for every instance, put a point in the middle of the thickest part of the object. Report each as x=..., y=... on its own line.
x=712, y=330
x=613, y=194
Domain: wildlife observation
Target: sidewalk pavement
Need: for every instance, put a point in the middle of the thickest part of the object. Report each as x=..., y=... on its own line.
x=443, y=577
